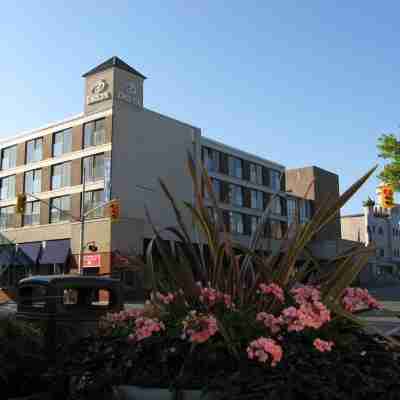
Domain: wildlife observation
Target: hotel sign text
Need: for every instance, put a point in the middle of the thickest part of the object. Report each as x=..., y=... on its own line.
x=99, y=92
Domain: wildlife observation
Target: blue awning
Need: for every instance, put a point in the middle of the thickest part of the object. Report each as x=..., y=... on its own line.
x=30, y=250
x=55, y=252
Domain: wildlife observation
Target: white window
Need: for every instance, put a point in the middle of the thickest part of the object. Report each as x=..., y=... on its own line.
x=62, y=142
x=32, y=213
x=93, y=167
x=211, y=159
x=94, y=133
x=235, y=167
x=7, y=217
x=257, y=199
x=94, y=199
x=34, y=150
x=60, y=209
x=9, y=157
x=256, y=174
x=61, y=175
x=7, y=188
x=33, y=181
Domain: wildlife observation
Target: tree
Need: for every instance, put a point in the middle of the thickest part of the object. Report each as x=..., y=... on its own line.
x=389, y=149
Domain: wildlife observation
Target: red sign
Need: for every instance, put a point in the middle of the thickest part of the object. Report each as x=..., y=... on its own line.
x=91, y=260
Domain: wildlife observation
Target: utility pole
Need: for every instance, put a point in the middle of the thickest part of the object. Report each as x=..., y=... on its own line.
x=82, y=236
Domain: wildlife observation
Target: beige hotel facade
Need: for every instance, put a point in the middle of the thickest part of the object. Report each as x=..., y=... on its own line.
x=119, y=149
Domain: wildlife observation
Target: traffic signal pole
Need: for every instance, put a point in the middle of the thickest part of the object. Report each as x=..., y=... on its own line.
x=82, y=233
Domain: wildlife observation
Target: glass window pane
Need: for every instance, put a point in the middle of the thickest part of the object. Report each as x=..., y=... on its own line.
x=7, y=217
x=7, y=188
x=9, y=157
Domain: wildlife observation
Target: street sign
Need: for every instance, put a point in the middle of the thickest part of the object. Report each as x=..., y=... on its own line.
x=91, y=260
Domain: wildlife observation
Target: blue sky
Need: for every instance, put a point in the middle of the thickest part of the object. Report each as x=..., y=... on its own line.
x=312, y=84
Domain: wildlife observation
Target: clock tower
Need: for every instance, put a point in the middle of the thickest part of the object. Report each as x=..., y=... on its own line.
x=113, y=84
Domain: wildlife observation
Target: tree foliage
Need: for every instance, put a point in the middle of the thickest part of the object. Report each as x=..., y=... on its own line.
x=389, y=149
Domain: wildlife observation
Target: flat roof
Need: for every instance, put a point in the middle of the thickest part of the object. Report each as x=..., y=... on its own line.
x=240, y=153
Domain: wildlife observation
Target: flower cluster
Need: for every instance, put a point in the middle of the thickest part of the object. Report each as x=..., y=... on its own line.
x=198, y=328
x=273, y=289
x=355, y=299
x=211, y=297
x=270, y=321
x=164, y=298
x=145, y=327
x=323, y=345
x=309, y=313
x=263, y=349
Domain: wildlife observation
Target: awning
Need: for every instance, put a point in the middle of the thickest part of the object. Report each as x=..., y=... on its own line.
x=55, y=252
x=30, y=250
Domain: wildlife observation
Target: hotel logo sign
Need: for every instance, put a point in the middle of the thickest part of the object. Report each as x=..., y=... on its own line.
x=129, y=93
x=98, y=92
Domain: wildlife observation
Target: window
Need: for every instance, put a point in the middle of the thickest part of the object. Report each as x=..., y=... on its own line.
x=291, y=210
x=93, y=167
x=304, y=211
x=235, y=167
x=211, y=159
x=254, y=223
x=61, y=175
x=32, y=213
x=236, y=223
x=275, y=180
x=373, y=228
x=276, y=229
x=94, y=133
x=62, y=142
x=33, y=181
x=34, y=150
x=382, y=252
x=60, y=209
x=256, y=174
x=7, y=188
x=276, y=205
x=7, y=217
x=9, y=157
x=93, y=199
x=380, y=230
x=235, y=195
x=256, y=199
x=216, y=187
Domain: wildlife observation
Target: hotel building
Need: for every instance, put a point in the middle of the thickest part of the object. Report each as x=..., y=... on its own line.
x=117, y=148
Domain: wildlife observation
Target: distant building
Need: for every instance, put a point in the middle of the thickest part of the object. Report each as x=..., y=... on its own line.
x=381, y=227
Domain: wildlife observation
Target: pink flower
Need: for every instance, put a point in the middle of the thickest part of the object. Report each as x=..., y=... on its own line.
x=308, y=315
x=199, y=327
x=165, y=298
x=271, y=322
x=355, y=299
x=273, y=289
x=323, y=345
x=145, y=327
x=306, y=294
x=211, y=297
x=263, y=349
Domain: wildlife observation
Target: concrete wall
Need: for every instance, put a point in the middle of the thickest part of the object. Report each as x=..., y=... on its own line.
x=321, y=186
x=353, y=228
x=151, y=146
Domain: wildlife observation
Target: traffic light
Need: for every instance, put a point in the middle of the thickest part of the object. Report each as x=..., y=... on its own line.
x=21, y=203
x=114, y=210
x=387, y=200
